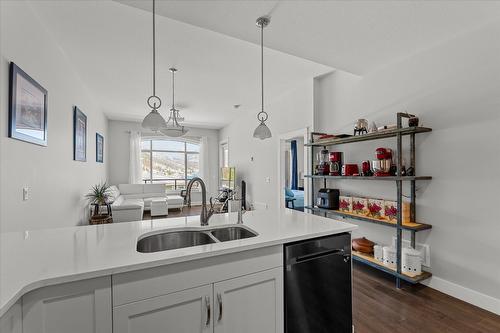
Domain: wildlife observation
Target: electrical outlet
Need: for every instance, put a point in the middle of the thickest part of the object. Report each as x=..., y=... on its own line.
x=425, y=251
x=26, y=193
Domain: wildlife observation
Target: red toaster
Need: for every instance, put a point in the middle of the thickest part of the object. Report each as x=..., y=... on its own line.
x=350, y=170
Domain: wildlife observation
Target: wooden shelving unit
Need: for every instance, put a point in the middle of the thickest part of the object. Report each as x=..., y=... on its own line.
x=370, y=260
x=387, y=178
x=413, y=226
x=400, y=131
x=399, y=179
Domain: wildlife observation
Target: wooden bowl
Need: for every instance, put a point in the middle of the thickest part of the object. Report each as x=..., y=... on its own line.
x=362, y=245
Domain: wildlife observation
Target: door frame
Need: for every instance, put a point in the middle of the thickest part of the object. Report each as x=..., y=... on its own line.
x=303, y=132
x=222, y=142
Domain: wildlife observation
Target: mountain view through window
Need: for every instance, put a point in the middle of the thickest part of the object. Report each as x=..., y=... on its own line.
x=170, y=162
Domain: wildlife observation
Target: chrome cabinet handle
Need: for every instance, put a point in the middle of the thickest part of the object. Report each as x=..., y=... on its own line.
x=207, y=305
x=219, y=299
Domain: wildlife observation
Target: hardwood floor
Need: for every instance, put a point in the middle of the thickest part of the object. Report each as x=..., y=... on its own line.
x=378, y=307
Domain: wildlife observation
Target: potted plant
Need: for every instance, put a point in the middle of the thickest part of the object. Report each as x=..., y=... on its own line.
x=98, y=196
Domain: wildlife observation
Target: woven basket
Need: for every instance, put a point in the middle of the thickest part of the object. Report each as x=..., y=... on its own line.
x=100, y=219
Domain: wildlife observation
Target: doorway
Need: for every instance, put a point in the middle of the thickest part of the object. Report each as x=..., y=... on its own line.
x=292, y=168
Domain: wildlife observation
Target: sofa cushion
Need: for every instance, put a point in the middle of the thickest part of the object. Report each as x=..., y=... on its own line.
x=129, y=204
x=114, y=193
x=131, y=188
x=154, y=188
x=118, y=200
x=134, y=196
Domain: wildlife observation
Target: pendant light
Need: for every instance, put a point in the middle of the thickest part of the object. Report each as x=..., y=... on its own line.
x=262, y=131
x=172, y=127
x=154, y=121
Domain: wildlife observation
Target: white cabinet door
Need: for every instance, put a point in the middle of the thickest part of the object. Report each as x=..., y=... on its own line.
x=187, y=311
x=11, y=321
x=76, y=307
x=249, y=304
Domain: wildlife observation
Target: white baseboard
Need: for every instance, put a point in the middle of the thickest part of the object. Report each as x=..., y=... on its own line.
x=465, y=294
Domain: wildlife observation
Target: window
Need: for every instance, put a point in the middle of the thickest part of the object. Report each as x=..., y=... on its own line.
x=224, y=155
x=169, y=162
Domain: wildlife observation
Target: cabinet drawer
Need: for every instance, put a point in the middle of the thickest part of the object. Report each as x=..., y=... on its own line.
x=147, y=283
x=184, y=311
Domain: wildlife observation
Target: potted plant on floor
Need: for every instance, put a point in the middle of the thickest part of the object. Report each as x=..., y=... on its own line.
x=98, y=197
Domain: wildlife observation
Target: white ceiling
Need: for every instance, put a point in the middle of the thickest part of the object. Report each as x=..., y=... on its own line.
x=109, y=45
x=357, y=36
x=213, y=44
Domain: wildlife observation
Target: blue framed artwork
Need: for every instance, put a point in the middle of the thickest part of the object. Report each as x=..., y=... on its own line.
x=99, y=148
x=79, y=135
x=27, y=108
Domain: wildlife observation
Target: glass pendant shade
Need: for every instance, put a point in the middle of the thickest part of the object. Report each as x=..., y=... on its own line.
x=262, y=131
x=154, y=121
x=174, y=131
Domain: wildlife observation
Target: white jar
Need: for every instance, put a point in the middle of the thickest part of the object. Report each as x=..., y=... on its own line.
x=412, y=263
x=389, y=254
x=378, y=253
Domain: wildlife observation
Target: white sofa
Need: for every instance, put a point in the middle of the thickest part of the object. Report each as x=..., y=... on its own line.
x=131, y=200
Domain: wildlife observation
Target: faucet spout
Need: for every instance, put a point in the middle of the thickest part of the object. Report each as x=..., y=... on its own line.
x=205, y=213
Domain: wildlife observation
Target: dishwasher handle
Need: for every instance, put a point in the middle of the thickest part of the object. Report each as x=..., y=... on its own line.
x=316, y=255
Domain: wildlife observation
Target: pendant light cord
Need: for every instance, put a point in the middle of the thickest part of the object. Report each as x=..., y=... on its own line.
x=154, y=50
x=173, y=90
x=262, y=64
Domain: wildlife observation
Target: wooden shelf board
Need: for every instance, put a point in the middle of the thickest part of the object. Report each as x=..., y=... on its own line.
x=370, y=260
x=406, y=225
x=370, y=136
x=404, y=178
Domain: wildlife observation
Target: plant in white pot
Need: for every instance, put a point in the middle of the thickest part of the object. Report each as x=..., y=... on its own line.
x=99, y=196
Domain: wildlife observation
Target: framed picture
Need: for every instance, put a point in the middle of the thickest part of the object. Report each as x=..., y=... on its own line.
x=99, y=148
x=27, y=108
x=79, y=135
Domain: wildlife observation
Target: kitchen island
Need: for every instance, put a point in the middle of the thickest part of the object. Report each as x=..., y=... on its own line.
x=99, y=267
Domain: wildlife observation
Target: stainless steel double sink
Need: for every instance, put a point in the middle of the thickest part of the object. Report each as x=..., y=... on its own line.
x=176, y=239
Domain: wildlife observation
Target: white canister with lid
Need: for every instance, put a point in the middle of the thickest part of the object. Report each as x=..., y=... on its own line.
x=412, y=263
x=378, y=253
x=389, y=254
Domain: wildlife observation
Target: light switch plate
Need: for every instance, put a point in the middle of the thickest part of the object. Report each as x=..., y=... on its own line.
x=26, y=193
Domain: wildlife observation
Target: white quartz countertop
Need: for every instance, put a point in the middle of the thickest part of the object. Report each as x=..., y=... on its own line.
x=38, y=258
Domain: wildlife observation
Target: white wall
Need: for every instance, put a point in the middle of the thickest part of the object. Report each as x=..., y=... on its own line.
x=291, y=111
x=56, y=182
x=119, y=152
x=454, y=88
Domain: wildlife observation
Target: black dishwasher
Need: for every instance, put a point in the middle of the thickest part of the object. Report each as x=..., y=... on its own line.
x=318, y=285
